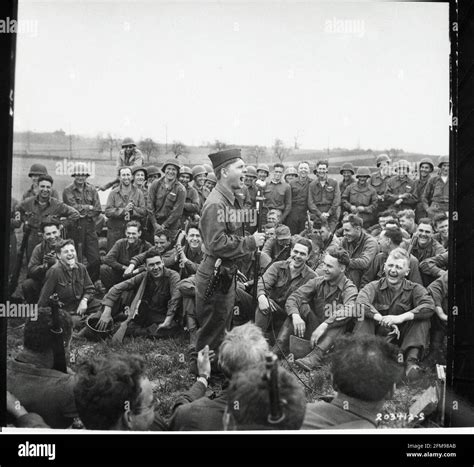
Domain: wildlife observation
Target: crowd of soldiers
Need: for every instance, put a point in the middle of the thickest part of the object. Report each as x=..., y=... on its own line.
x=309, y=260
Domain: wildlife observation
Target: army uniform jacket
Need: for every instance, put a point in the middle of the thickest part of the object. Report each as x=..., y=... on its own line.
x=165, y=205
x=82, y=199
x=357, y=195
x=324, y=299
x=34, y=213
x=325, y=198
x=299, y=194
x=400, y=186
x=221, y=229
x=377, y=296
x=278, y=284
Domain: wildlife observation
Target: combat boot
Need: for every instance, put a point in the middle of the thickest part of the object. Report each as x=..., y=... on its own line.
x=413, y=372
x=312, y=361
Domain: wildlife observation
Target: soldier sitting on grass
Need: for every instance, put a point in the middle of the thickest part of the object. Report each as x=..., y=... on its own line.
x=156, y=293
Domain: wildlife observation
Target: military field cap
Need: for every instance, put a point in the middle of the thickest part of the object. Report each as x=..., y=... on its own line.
x=220, y=158
x=282, y=232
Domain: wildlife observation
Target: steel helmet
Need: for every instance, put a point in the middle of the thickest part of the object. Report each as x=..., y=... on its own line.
x=211, y=177
x=263, y=167
x=139, y=167
x=382, y=158
x=251, y=171
x=153, y=170
x=363, y=172
x=198, y=170
x=186, y=170
x=428, y=161
x=37, y=169
x=347, y=166
x=173, y=162
x=128, y=142
x=290, y=171
x=443, y=160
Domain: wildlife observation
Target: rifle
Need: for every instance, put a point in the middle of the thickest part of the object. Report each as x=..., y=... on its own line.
x=132, y=312
x=19, y=260
x=276, y=414
x=57, y=331
x=256, y=269
x=214, y=280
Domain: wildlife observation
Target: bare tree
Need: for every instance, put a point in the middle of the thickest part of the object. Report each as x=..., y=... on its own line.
x=258, y=152
x=150, y=148
x=108, y=143
x=219, y=145
x=281, y=152
x=178, y=149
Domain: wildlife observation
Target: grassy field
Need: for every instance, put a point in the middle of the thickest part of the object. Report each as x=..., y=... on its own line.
x=167, y=369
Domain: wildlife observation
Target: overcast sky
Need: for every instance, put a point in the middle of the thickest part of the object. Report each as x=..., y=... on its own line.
x=332, y=73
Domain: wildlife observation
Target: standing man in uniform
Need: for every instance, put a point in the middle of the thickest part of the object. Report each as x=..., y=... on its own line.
x=125, y=203
x=199, y=180
x=425, y=169
x=277, y=194
x=222, y=240
x=36, y=170
x=324, y=198
x=435, y=196
x=42, y=208
x=379, y=181
x=192, y=205
x=299, y=199
x=361, y=198
x=166, y=199
x=400, y=192
x=83, y=196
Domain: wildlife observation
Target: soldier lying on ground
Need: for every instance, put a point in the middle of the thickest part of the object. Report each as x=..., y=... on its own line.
x=358, y=361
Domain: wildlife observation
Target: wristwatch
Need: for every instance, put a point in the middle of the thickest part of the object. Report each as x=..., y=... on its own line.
x=203, y=378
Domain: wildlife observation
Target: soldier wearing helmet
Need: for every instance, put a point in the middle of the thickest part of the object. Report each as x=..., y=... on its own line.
x=347, y=171
x=435, y=196
x=299, y=199
x=35, y=171
x=360, y=198
x=83, y=197
x=140, y=177
x=154, y=173
x=211, y=181
x=425, y=170
x=400, y=191
x=249, y=181
x=290, y=174
x=129, y=156
x=166, y=198
x=191, y=204
x=379, y=180
x=262, y=172
x=199, y=178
